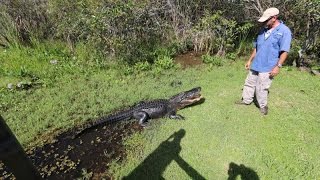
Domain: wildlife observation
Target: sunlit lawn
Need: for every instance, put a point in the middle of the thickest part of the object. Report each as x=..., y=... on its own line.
x=217, y=140
x=221, y=140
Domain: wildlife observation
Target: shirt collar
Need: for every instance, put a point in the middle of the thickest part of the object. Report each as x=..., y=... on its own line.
x=279, y=26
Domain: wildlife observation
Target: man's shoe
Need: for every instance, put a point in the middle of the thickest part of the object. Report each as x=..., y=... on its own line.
x=241, y=103
x=264, y=110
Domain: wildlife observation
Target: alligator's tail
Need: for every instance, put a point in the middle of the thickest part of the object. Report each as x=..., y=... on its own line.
x=120, y=116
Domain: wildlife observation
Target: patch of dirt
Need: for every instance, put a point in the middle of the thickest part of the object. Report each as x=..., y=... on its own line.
x=189, y=59
x=87, y=155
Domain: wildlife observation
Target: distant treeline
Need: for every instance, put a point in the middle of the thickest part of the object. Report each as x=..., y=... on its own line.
x=134, y=29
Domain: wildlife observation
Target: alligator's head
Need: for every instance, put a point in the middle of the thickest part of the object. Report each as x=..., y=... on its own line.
x=186, y=98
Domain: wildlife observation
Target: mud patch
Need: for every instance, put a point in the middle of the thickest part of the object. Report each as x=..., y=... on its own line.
x=189, y=59
x=88, y=155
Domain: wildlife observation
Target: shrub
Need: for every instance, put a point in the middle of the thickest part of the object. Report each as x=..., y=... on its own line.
x=133, y=30
x=162, y=52
x=214, y=34
x=213, y=60
x=8, y=30
x=142, y=66
x=164, y=63
x=231, y=56
x=24, y=22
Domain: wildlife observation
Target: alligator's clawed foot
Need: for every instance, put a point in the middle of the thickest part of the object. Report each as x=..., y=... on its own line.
x=144, y=125
x=177, y=117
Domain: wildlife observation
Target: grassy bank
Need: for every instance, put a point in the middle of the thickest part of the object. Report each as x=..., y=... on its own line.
x=215, y=136
x=75, y=99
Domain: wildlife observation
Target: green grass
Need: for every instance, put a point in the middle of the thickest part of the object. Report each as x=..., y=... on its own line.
x=282, y=145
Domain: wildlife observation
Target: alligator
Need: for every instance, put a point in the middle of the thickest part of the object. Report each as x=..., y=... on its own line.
x=145, y=110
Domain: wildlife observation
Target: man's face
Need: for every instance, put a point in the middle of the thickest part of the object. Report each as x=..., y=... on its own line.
x=270, y=22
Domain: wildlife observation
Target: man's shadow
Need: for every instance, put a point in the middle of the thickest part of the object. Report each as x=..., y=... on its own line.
x=155, y=164
x=241, y=171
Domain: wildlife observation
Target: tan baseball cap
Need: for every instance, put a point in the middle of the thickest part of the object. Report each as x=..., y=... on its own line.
x=268, y=13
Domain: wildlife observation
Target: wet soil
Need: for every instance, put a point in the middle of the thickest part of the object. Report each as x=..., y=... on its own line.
x=189, y=59
x=87, y=155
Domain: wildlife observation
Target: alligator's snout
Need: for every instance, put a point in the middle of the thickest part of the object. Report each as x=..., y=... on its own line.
x=188, y=97
x=194, y=93
x=193, y=97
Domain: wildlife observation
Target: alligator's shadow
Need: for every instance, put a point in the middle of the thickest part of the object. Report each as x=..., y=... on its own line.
x=241, y=170
x=155, y=164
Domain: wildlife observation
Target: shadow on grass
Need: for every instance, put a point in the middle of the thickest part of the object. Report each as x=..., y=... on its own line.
x=155, y=164
x=241, y=170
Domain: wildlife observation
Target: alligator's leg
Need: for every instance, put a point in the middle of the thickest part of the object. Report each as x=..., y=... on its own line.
x=142, y=117
x=176, y=116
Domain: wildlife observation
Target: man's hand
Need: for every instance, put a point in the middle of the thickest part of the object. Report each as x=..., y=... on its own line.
x=247, y=65
x=275, y=71
x=253, y=54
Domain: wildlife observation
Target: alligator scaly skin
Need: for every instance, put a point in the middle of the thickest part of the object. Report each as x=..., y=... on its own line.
x=153, y=109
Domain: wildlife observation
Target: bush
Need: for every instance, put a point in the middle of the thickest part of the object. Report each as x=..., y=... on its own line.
x=142, y=66
x=231, y=56
x=214, y=34
x=8, y=32
x=213, y=60
x=305, y=23
x=132, y=31
x=25, y=21
x=163, y=52
x=164, y=63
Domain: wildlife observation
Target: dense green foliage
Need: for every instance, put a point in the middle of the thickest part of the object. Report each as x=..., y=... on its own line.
x=306, y=28
x=133, y=30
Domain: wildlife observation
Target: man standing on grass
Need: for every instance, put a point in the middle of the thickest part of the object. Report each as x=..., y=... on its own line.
x=270, y=51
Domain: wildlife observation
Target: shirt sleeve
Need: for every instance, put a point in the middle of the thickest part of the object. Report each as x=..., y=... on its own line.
x=254, y=43
x=286, y=41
